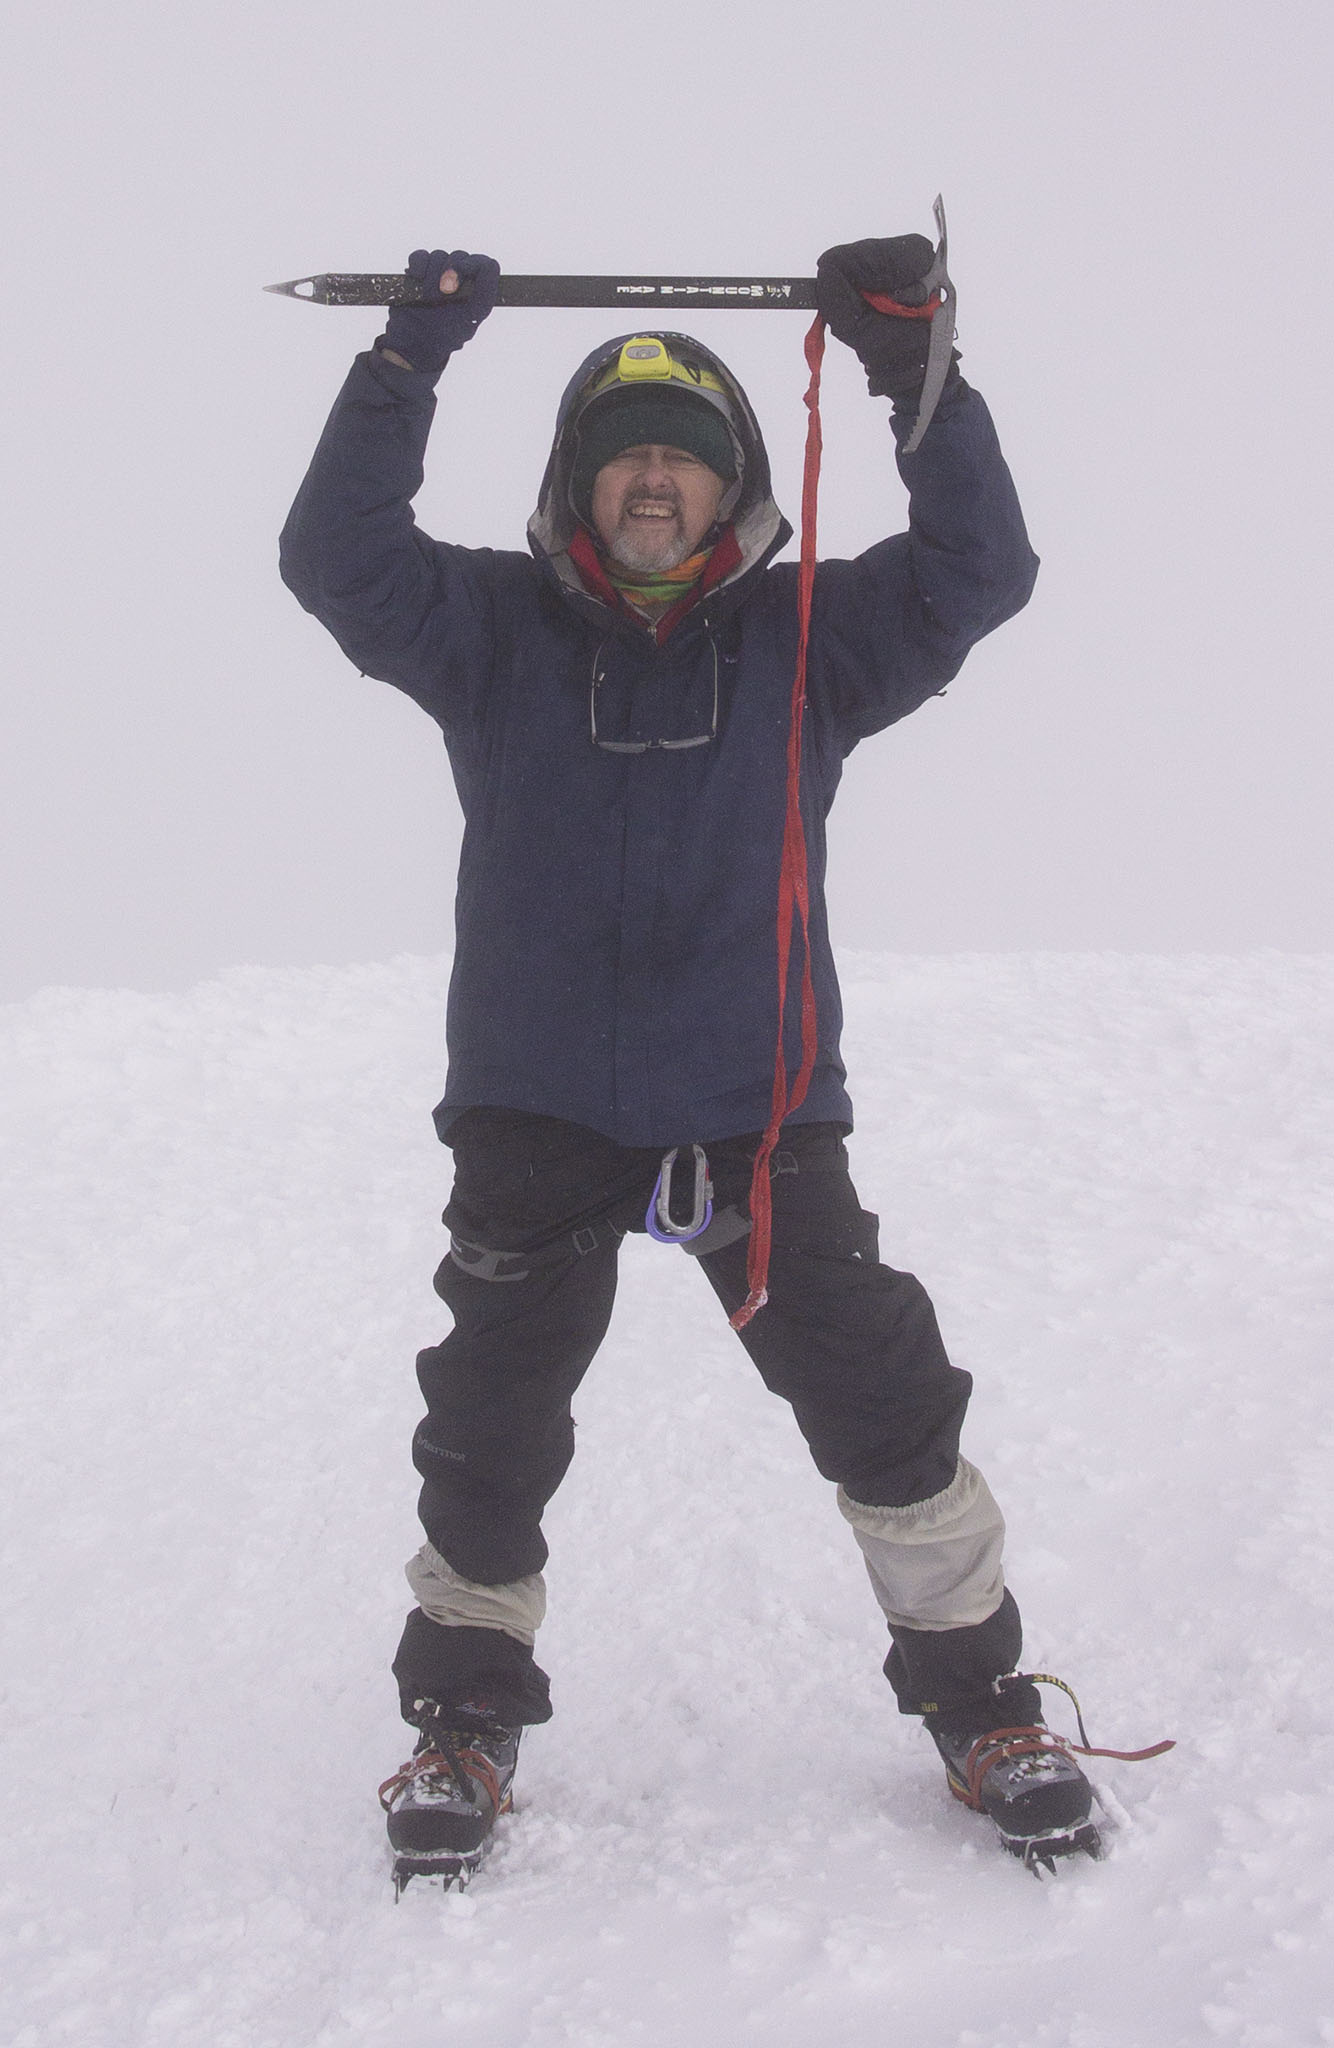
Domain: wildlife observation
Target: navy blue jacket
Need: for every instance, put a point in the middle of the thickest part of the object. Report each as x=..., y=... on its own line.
x=616, y=959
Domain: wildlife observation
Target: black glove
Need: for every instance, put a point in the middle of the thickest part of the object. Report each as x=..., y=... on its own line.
x=427, y=336
x=892, y=349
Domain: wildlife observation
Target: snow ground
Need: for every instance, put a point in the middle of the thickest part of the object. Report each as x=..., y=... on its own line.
x=1114, y=1173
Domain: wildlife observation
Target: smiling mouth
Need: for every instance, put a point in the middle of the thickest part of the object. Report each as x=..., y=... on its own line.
x=650, y=508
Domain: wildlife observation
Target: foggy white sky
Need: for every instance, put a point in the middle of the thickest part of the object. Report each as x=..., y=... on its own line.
x=1140, y=221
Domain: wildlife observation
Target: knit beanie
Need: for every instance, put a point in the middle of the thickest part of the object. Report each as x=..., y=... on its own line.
x=655, y=415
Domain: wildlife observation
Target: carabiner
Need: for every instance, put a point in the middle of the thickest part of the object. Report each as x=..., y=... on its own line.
x=659, y=1221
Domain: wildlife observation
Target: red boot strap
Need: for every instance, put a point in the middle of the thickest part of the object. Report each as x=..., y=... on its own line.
x=479, y=1767
x=391, y=1787
x=1128, y=1756
x=1000, y=1745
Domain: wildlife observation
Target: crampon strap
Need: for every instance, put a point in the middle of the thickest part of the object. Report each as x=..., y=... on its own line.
x=1000, y=1743
x=467, y=1767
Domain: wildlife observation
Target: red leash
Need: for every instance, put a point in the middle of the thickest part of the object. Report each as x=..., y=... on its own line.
x=793, y=886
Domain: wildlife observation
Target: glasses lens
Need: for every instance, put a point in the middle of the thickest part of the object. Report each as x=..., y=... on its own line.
x=666, y=743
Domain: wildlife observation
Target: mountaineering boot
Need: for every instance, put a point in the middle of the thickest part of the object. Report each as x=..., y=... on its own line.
x=442, y=1804
x=1022, y=1776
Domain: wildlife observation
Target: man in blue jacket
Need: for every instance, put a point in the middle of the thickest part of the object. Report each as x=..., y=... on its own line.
x=616, y=705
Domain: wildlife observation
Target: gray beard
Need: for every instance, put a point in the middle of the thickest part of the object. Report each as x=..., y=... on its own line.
x=647, y=554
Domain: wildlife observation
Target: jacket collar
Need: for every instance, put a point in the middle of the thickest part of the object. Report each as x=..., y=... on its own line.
x=724, y=558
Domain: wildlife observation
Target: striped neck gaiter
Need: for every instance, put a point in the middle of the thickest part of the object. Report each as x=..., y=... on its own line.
x=656, y=590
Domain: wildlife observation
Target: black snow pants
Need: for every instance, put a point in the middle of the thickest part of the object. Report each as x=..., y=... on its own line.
x=536, y=1217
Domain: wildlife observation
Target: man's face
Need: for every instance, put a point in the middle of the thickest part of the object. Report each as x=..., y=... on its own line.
x=652, y=506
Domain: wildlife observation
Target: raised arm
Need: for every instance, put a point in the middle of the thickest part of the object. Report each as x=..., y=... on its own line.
x=893, y=627
x=403, y=607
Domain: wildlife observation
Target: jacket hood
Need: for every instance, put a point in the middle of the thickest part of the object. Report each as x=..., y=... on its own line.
x=755, y=519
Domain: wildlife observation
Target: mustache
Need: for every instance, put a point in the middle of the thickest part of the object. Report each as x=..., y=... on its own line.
x=638, y=496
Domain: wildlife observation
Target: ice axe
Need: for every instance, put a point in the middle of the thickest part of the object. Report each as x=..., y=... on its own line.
x=767, y=294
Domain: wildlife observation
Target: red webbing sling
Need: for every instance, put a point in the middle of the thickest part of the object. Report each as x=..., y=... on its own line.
x=793, y=889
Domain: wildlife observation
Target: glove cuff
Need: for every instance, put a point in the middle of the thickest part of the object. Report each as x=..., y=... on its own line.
x=382, y=343
x=905, y=391
x=903, y=412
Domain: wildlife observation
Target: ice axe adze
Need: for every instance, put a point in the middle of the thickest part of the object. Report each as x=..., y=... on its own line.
x=773, y=294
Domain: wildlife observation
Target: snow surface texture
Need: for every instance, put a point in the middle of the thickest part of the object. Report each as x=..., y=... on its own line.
x=1114, y=1175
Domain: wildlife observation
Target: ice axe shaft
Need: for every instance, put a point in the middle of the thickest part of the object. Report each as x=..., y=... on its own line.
x=363, y=288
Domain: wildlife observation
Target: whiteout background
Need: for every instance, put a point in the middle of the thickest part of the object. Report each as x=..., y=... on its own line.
x=1112, y=1172
x=1140, y=226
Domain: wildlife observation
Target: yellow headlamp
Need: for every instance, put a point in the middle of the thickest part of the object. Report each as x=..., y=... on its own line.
x=644, y=359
